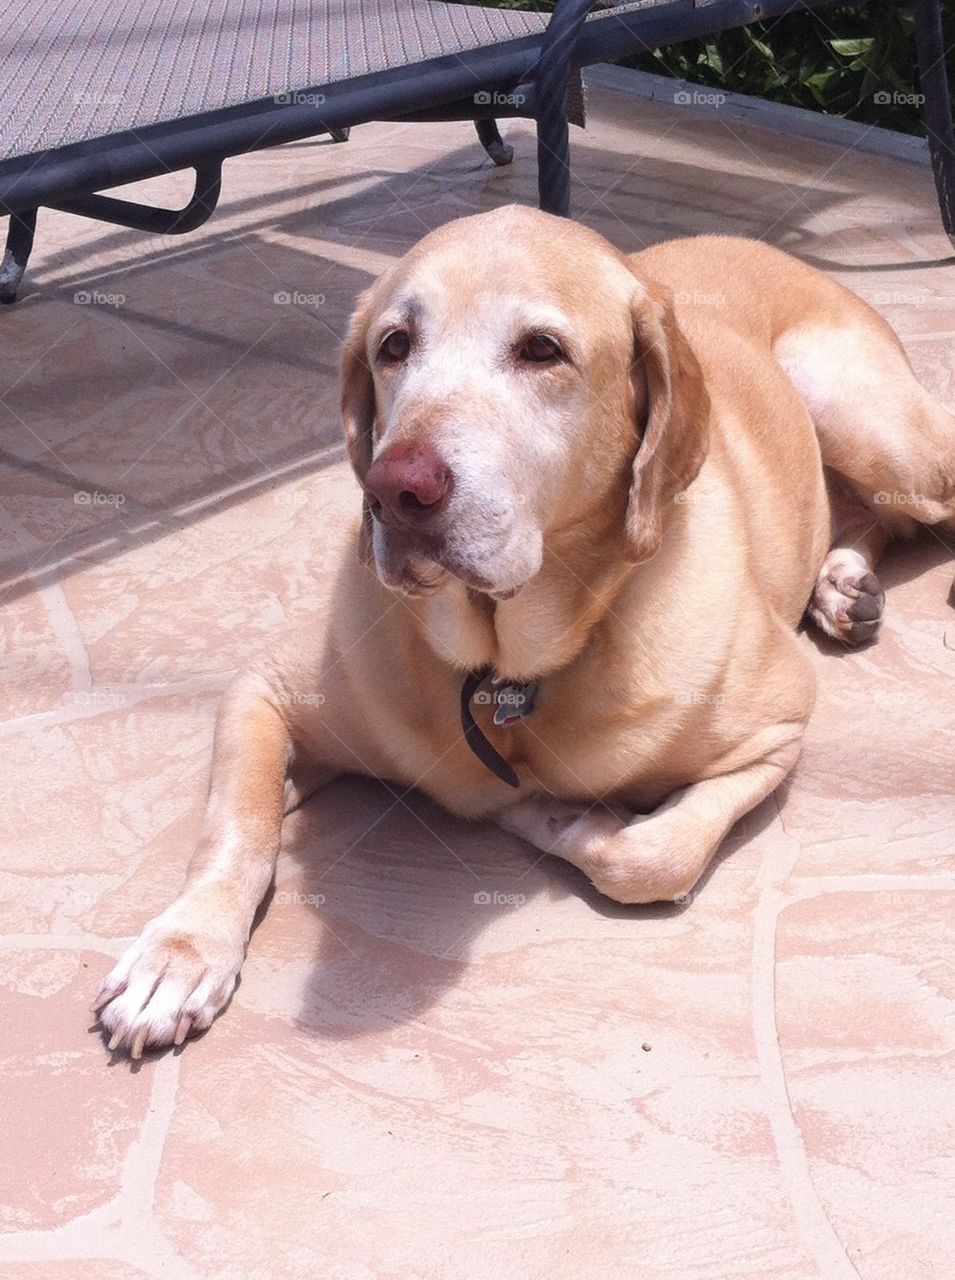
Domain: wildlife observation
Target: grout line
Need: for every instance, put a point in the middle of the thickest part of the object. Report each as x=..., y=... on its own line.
x=876, y=882
x=67, y=630
x=64, y=942
x=108, y=698
x=815, y=1229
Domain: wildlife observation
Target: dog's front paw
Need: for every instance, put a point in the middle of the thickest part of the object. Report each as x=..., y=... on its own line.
x=170, y=983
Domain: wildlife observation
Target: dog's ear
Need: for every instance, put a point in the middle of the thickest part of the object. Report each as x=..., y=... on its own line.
x=358, y=410
x=672, y=410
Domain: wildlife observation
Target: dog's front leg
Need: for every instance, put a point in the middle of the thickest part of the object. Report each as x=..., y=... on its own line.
x=181, y=971
x=657, y=857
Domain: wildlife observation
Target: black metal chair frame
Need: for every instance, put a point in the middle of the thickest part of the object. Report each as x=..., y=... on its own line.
x=524, y=77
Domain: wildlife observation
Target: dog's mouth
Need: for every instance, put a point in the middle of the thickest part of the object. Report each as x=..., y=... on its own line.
x=418, y=564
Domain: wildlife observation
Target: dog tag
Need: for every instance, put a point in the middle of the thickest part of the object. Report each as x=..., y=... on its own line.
x=513, y=703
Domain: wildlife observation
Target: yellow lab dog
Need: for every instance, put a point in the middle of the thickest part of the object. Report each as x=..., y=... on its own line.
x=606, y=489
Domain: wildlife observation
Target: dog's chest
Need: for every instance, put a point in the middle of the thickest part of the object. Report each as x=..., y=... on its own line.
x=577, y=743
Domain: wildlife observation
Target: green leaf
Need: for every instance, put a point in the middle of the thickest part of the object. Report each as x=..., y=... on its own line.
x=821, y=84
x=852, y=48
x=713, y=60
x=759, y=45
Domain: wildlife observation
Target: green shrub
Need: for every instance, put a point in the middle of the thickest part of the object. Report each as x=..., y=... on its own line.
x=857, y=61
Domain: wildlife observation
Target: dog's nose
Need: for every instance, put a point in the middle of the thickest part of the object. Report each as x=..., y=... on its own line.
x=408, y=485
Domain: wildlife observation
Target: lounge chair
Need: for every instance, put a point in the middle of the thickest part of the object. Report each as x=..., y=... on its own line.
x=96, y=95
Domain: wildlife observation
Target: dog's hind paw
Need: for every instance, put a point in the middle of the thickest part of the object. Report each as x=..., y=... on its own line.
x=848, y=600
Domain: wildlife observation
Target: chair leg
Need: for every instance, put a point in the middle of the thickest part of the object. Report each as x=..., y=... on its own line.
x=937, y=110
x=550, y=104
x=553, y=160
x=501, y=152
x=19, y=243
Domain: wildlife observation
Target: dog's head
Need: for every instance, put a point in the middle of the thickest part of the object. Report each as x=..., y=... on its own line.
x=507, y=379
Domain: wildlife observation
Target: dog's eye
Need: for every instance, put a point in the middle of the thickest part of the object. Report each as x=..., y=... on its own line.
x=394, y=347
x=540, y=348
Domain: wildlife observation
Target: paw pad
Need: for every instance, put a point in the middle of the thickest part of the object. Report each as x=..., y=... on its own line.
x=847, y=604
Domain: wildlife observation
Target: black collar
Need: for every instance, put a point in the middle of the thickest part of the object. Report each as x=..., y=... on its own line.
x=473, y=736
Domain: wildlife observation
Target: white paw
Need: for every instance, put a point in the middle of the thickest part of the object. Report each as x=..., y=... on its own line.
x=171, y=982
x=848, y=600
x=658, y=857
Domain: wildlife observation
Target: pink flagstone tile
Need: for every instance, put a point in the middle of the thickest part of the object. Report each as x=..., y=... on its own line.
x=36, y=673
x=92, y=793
x=68, y=1121
x=209, y=595
x=865, y=998
x=71, y=1268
